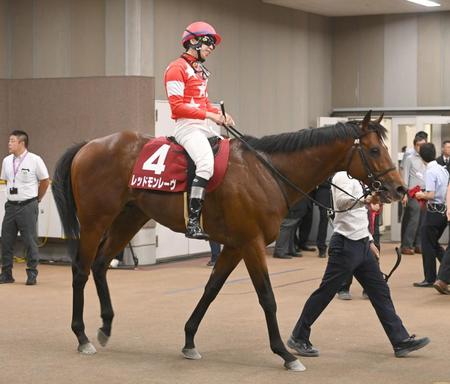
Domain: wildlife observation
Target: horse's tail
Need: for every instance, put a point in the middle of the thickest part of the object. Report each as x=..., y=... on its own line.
x=63, y=195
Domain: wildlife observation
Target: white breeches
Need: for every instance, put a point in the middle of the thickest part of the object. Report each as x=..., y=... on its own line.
x=193, y=136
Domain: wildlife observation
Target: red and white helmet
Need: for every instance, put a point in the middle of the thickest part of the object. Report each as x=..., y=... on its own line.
x=198, y=29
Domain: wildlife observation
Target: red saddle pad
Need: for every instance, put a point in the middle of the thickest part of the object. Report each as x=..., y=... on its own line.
x=162, y=166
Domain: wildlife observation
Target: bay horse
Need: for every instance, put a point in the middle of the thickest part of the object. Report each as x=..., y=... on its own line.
x=100, y=213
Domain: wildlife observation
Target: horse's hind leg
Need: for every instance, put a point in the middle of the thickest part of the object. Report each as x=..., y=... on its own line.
x=255, y=261
x=124, y=227
x=81, y=265
x=226, y=263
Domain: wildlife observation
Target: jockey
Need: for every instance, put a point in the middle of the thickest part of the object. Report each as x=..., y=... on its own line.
x=186, y=80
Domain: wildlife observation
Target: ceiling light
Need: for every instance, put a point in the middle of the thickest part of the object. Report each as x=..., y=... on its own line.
x=425, y=3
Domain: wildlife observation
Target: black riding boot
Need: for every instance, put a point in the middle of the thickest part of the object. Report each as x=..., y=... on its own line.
x=193, y=229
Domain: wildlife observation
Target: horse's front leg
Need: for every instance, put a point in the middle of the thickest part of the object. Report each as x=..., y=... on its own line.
x=226, y=263
x=255, y=261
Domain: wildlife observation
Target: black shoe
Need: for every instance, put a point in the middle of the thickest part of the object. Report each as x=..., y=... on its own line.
x=302, y=347
x=276, y=256
x=210, y=263
x=31, y=280
x=423, y=284
x=322, y=254
x=6, y=278
x=409, y=345
x=307, y=249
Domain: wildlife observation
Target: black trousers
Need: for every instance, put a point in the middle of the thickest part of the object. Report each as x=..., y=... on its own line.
x=349, y=257
x=433, y=226
x=444, y=269
x=304, y=224
x=323, y=196
x=21, y=218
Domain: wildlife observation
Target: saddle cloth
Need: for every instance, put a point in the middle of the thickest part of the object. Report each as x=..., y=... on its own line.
x=163, y=165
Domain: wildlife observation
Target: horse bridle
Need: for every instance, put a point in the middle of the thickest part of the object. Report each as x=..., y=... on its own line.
x=375, y=183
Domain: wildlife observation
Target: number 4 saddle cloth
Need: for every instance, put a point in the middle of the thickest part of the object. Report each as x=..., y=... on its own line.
x=164, y=165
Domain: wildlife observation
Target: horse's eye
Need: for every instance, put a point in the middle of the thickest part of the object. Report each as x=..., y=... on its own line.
x=374, y=151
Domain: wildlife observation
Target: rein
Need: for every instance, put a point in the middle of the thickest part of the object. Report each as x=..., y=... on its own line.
x=280, y=177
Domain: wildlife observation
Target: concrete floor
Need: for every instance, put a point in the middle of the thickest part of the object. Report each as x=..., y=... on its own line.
x=153, y=303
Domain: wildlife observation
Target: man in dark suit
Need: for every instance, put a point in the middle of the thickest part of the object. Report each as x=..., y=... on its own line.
x=444, y=159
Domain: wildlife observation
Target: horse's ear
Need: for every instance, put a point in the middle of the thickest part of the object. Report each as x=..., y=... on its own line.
x=366, y=120
x=380, y=118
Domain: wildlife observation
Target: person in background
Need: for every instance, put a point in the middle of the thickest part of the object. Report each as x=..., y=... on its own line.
x=443, y=280
x=323, y=196
x=285, y=243
x=413, y=174
x=408, y=151
x=27, y=181
x=435, y=221
x=215, y=252
x=444, y=159
x=304, y=225
x=351, y=252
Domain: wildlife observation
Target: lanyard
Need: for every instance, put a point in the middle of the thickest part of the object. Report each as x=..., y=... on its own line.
x=15, y=170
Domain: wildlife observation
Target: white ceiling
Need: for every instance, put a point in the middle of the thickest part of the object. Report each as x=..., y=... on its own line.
x=358, y=7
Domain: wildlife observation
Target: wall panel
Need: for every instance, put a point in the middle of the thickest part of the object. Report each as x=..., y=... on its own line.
x=21, y=14
x=345, y=63
x=429, y=65
x=51, y=38
x=87, y=38
x=4, y=39
x=59, y=112
x=371, y=61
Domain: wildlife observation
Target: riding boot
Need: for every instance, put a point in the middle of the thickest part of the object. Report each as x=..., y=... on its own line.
x=196, y=198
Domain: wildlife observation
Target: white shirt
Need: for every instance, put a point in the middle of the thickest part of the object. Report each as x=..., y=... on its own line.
x=353, y=224
x=30, y=169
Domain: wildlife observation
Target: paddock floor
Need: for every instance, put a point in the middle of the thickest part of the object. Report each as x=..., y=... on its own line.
x=153, y=303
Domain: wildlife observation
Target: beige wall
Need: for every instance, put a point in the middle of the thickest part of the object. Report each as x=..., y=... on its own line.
x=59, y=112
x=273, y=69
x=391, y=61
x=4, y=39
x=72, y=38
x=4, y=113
x=358, y=57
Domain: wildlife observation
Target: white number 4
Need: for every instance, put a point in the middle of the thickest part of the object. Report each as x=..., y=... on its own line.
x=156, y=161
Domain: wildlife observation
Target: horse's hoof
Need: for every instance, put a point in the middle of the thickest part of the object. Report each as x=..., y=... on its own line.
x=191, y=353
x=102, y=337
x=295, y=366
x=87, y=349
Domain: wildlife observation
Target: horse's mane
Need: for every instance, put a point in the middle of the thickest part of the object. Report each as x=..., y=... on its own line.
x=311, y=137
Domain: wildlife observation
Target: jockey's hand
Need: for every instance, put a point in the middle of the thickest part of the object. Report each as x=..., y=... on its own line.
x=218, y=118
x=448, y=213
x=229, y=120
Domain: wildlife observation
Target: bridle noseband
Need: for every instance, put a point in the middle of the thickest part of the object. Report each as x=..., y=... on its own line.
x=375, y=183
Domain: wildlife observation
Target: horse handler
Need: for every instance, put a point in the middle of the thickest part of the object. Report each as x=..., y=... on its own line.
x=351, y=252
x=186, y=79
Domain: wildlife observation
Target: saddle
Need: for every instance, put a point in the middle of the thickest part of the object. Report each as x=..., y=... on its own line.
x=164, y=165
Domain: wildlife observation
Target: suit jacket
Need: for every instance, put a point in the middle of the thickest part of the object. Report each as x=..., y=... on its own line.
x=440, y=160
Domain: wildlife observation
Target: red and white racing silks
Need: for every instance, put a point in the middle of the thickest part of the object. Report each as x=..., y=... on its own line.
x=186, y=90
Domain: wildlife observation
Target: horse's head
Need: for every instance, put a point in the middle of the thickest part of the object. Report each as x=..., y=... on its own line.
x=369, y=161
